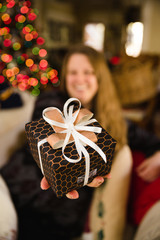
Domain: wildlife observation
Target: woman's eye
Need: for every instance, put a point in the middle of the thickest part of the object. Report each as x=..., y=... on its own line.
x=89, y=72
x=72, y=73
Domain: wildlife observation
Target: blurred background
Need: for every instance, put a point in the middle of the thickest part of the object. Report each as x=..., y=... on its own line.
x=112, y=26
x=126, y=31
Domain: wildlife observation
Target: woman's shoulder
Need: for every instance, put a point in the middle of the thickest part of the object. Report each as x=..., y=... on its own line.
x=124, y=155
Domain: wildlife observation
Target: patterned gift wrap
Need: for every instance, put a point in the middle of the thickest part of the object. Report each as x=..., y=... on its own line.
x=62, y=175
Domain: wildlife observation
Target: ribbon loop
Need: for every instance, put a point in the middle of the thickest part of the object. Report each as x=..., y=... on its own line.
x=72, y=129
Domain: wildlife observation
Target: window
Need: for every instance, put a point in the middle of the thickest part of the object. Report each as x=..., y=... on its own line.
x=134, y=39
x=94, y=35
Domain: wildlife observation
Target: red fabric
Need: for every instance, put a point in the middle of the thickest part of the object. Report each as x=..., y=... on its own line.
x=142, y=195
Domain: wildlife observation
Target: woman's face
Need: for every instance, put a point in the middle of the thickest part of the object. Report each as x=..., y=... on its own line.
x=81, y=81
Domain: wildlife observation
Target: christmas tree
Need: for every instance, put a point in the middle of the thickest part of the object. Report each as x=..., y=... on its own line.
x=23, y=58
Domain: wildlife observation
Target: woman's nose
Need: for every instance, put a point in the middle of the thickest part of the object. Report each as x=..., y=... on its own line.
x=80, y=78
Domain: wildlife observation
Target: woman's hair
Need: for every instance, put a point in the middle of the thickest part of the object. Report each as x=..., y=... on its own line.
x=107, y=108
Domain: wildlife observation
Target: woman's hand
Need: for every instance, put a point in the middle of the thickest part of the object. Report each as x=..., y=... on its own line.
x=97, y=181
x=149, y=169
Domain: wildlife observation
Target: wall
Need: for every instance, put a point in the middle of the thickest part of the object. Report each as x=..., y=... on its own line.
x=151, y=20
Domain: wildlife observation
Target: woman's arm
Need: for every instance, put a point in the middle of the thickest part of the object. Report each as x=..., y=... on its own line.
x=149, y=169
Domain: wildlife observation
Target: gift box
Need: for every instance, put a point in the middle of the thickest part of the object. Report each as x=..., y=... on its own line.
x=71, y=148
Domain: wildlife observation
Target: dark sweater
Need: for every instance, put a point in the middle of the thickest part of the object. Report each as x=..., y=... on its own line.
x=41, y=214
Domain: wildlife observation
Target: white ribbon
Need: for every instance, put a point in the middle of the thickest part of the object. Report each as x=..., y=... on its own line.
x=71, y=129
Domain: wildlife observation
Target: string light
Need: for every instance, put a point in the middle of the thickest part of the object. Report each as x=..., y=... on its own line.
x=11, y=4
x=33, y=81
x=42, y=52
x=40, y=41
x=35, y=50
x=5, y=17
x=7, y=42
x=29, y=62
x=21, y=19
x=24, y=9
x=28, y=37
x=16, y=46
x=22, y=58
x=32, y=16
x=2, y=79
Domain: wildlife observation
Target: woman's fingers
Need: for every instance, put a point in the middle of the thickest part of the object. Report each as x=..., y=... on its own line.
x=44, y=184
x=97, y=181
x=108, y=176
x=72, y=195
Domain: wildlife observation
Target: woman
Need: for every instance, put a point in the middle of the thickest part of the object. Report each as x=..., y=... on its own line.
x=85, y=76
x=43, y=216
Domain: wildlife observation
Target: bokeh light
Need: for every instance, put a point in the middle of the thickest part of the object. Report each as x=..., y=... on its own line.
x=11, y=4
x=33, y=81
x=40, y=41
x=35, y=50
x=5, y=17
x=43, y=64
x=34, y=68
x=32, y=16
x=29, y=62
x=22, y=86
x=24, y=9
x=9, y=73
x=35, y=34
x=22, y=60
x=16, y=46
x=3, y=8
x=21, y=18
x=28, y=37
x=54, y=80
x=27, y=3
x=42, y=53
x=2, y=79
x=44, y=79
x=16, y=70
x=7, y=42
x=35, y=92
x=8, y=21
x=6, y=58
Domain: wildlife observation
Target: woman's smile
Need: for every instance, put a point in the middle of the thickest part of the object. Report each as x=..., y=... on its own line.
x=81, y=81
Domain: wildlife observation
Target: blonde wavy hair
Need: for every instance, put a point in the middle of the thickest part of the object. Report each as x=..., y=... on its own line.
x=107, y=108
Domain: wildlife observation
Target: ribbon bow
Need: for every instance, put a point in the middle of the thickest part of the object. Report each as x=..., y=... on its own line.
x=73, y=130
